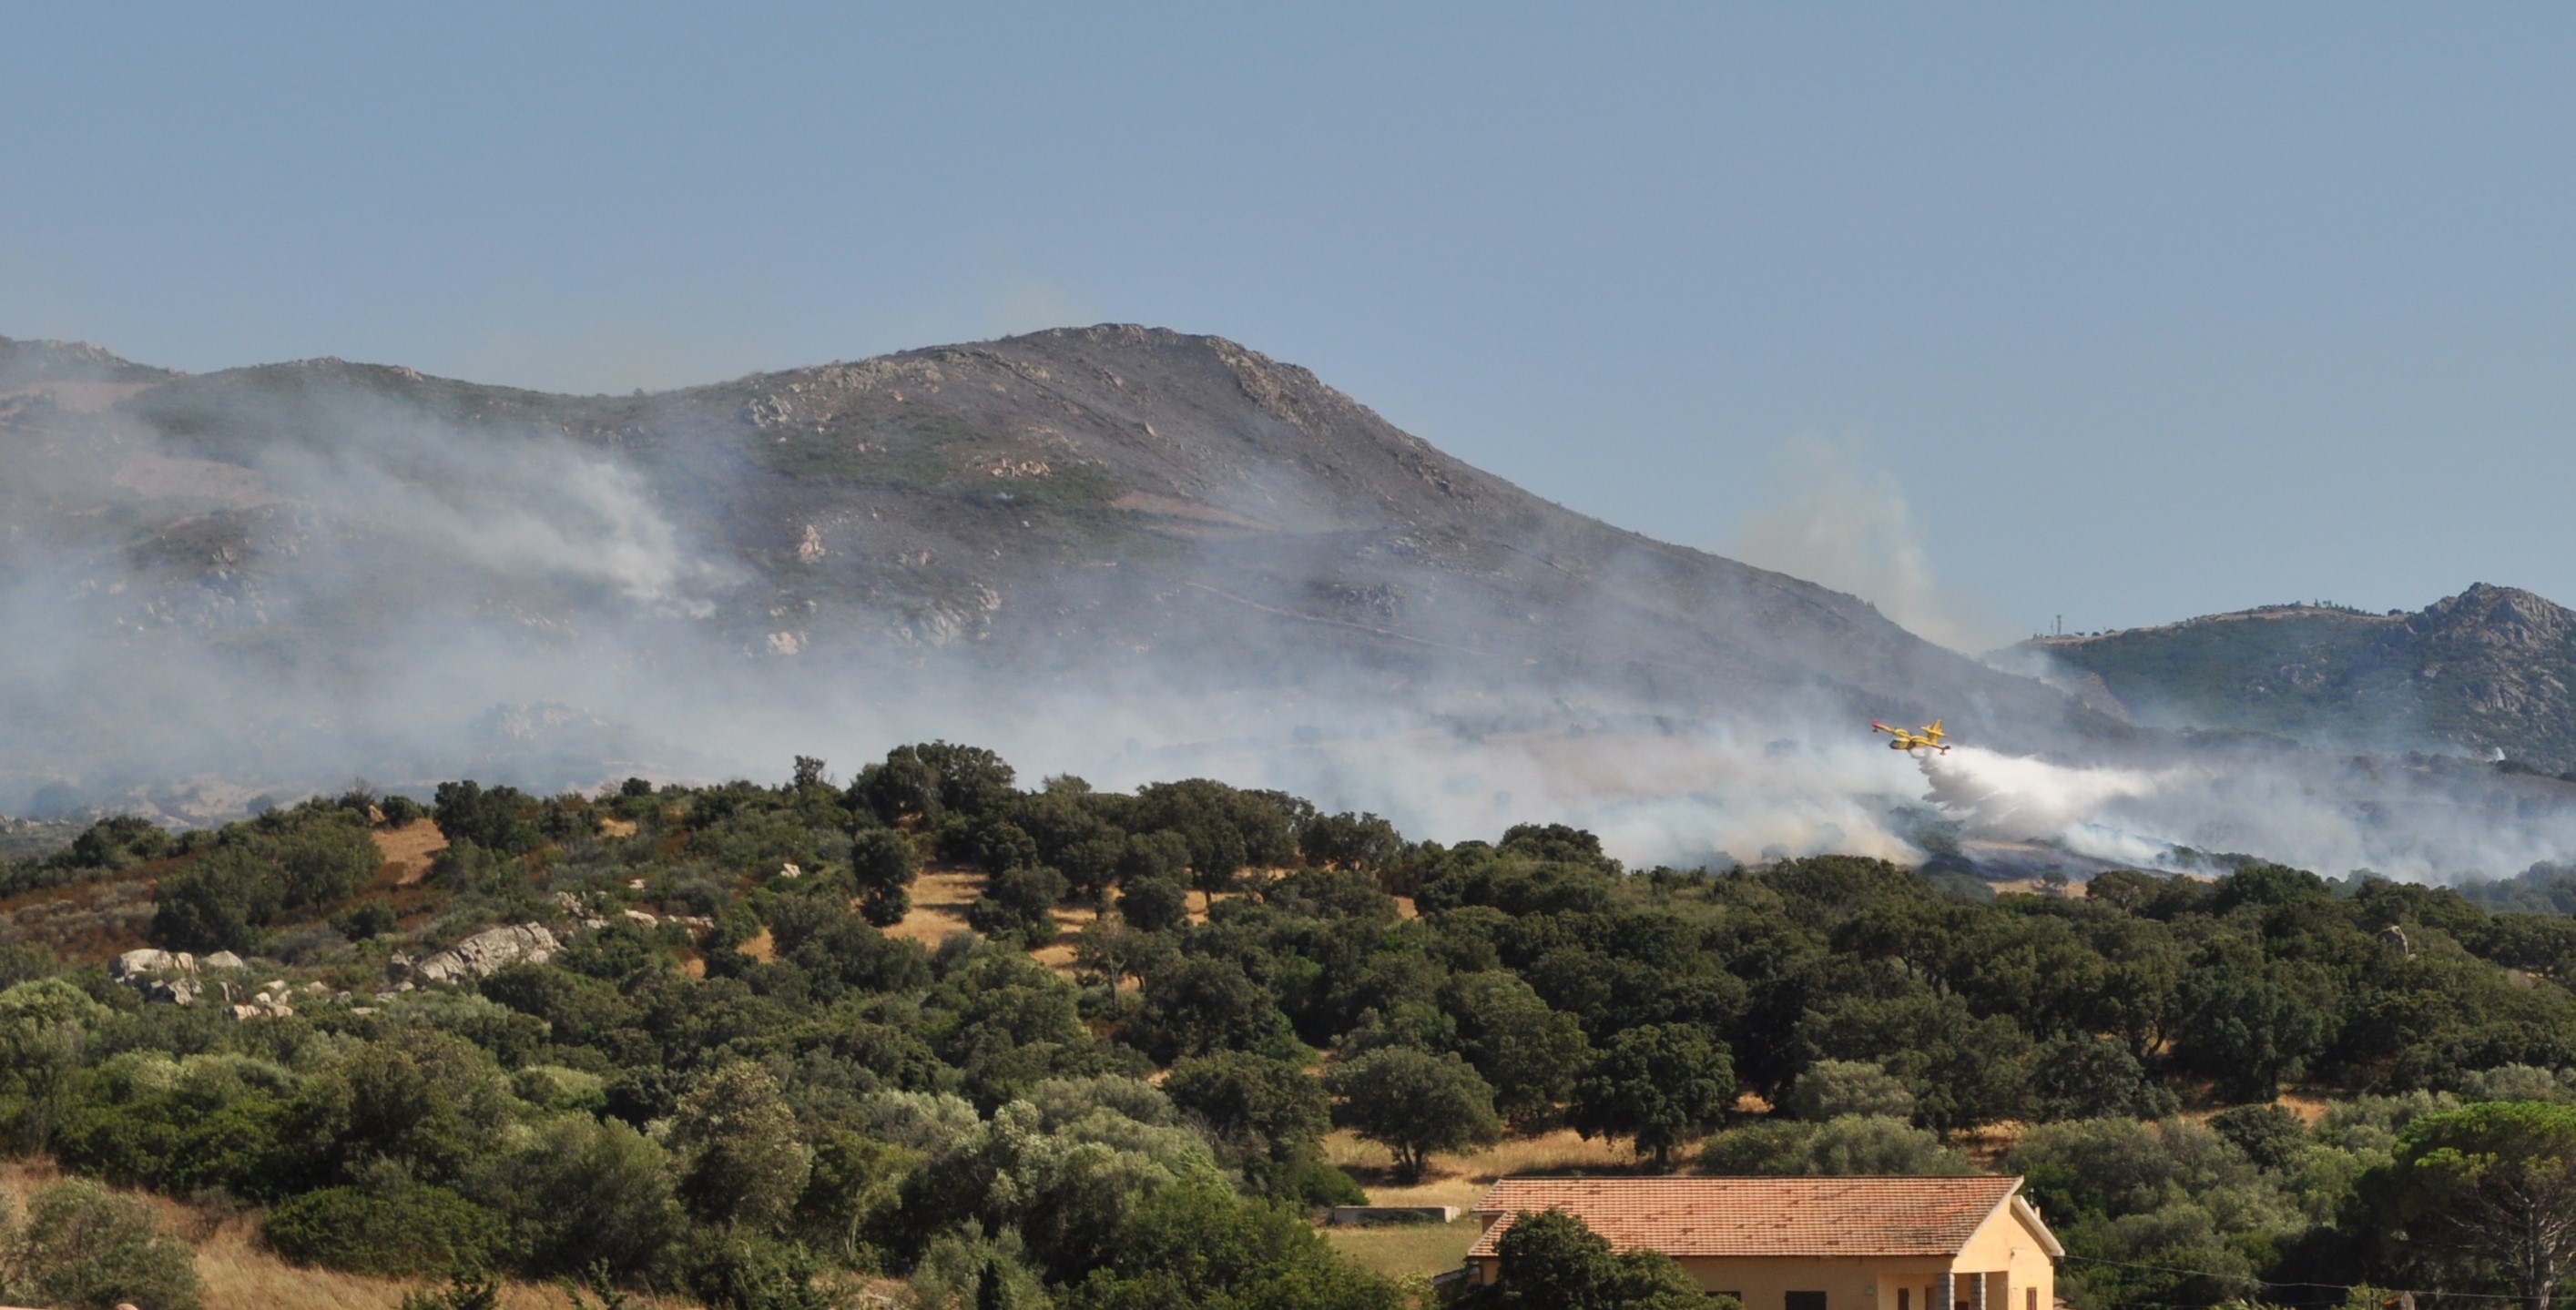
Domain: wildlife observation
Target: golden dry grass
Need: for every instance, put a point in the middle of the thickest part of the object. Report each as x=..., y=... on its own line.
x=409, y=848
x=1460, y=1179
x=939, y=901
x=241, y=1274
x=1406, y=1250
x=2310, y=1109
x=760, y=946
x=1058, y=955
x=618, y=828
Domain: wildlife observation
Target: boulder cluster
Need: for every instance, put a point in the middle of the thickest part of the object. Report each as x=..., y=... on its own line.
x=179, y=978
x=474, y=957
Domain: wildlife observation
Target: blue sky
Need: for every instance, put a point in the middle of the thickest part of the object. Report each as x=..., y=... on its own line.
x=2144, y=311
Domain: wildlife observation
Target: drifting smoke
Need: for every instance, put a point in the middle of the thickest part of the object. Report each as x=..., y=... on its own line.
x=1834, y=518
x=406, y=598
x=2424, y=819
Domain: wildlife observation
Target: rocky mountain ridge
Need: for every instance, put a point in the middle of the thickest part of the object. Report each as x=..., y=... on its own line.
x=2487, y=670
x=1116, y=511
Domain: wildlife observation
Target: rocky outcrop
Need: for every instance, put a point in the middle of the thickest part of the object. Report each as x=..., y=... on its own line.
x=475, y=957
x=135, y=966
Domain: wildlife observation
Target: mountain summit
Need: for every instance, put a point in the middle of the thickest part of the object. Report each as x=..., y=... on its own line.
x=1117, y=510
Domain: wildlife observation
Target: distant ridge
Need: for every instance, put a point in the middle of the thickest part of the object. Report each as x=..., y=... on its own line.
x=2487, y=670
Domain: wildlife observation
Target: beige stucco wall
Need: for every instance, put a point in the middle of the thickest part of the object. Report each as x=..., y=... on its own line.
x=1765, y=1282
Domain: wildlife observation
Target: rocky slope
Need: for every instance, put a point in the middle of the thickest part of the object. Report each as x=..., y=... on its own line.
x=1112, y=510
x=2486, y=670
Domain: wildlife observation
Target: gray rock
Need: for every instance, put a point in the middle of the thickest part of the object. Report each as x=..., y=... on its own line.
x=146, y=961
x=477, y=956
x=221, y=960
x=181, y=990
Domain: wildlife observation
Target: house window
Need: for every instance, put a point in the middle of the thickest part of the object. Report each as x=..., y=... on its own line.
x=1806, y=1301
x=1905, y=1298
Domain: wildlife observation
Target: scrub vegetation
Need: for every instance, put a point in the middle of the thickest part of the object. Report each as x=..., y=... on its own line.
x=741, y=1079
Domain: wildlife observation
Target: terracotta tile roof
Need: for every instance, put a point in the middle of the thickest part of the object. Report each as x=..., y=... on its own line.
x=1760, y=1216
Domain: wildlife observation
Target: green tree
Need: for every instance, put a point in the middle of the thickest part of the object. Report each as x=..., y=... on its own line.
x=430, y=1102
x=2089, y=1077
x=1414, y=1104
x=1199, y=1004
x=1529, y=1051
x=1200, y=1246
x=883, y=863
x=740, y=1156
x=2269, y=1135
x=1656, y=1084
x=590, y=1193
x=1154, y=904
x=1552, y=1260
x=44, y=1028
x=1020, y=905
x=2494, y=1186
x=1350, y=841
x=1253, y=1106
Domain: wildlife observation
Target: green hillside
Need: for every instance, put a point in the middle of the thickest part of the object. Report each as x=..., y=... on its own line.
x=695, y=1040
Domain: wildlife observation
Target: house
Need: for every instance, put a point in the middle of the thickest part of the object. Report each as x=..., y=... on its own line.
x=1967, y=1243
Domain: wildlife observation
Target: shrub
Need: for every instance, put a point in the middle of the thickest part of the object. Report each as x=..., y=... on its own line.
x=392, y=1231
x=1832, y=1088
x=1839, y=1147
x=1154, y=904
x=85, y=1246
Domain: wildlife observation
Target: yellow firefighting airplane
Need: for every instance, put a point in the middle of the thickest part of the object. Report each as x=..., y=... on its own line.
x=1927, y=737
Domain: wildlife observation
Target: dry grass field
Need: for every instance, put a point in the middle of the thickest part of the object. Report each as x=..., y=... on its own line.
x=1407, y=1250
x=1460, y=1179
x=408, y=849
x=939, y=901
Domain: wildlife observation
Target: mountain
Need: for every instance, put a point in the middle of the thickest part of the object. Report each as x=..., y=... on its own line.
x=2486, y=670
x=1113, y=507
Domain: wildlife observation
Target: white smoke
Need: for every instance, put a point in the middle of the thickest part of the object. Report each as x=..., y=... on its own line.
x=1833, y=516
x=2427, y=819
x=435, y=600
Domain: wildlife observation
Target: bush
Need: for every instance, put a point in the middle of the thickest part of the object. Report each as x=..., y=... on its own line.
x=395, y=1231
x=85, y=1246
x=1841, y=1147
x=1832, y=1088
x=588, y=1193
x=371, y=919
x=1155, y=904
x=883, y=863
x=1020, y=906
x=257, y=872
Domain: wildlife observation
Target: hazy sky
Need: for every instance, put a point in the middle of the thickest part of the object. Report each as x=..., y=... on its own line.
x=2145, y=311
